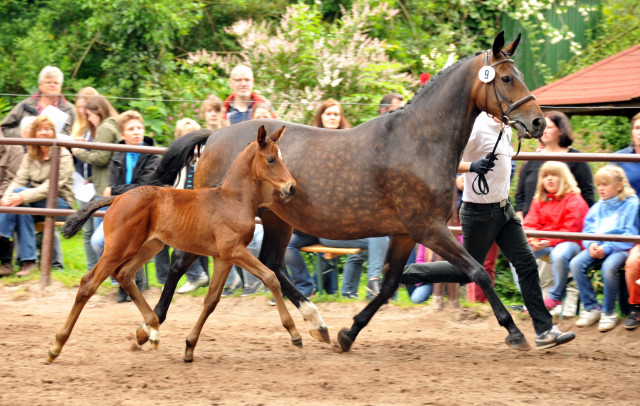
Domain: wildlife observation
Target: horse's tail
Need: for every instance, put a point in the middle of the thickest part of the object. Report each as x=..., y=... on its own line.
x=75, y=222
x=178, y=155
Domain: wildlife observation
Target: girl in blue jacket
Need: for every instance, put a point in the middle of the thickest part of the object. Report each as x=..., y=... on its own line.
x=615, y=213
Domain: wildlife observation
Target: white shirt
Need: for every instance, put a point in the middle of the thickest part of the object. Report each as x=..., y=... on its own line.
x=482, y=140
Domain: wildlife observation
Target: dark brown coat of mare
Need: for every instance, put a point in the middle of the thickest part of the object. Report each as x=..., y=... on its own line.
x=393, y=175
x=216, y=222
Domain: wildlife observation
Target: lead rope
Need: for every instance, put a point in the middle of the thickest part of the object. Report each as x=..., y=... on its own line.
x=480, y=186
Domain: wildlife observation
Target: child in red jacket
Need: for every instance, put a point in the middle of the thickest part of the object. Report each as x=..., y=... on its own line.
x=556, y=206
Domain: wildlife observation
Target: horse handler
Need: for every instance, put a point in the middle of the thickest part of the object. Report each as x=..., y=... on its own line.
x=486, y=217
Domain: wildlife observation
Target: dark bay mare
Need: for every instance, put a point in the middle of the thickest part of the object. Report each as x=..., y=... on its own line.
x=393, y=175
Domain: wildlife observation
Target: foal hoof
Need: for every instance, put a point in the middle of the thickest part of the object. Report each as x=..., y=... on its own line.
x=344, y=340
x=321, y=334
x=517, y=341
x=141, y=335
x=297, y=342
x=51, y=357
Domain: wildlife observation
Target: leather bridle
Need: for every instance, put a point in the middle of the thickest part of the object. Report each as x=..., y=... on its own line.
x=500, y=97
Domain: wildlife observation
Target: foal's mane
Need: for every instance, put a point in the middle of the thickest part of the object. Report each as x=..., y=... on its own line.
x=435, y=80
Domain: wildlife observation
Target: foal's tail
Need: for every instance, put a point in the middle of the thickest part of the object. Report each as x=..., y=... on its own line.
x=177, y=156
x=75, y=222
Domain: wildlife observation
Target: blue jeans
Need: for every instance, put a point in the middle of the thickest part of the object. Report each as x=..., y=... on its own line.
x=421, y=293
x=25, y=226
x=298, y=271
x=560, y=258
x=87, y=231
x=254, y=246
x=377, y=253
x=609, y=266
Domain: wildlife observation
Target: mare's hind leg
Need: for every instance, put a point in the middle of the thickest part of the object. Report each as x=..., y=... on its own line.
x=125, y=276
x=274, y=244
x=180, y=263
x=220, y=272
x=399, y=250
x=88, y=286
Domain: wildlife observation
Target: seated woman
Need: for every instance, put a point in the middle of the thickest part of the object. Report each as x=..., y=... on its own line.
x=30, y=187
x=556, y=206
x=615, y=213
x=128, y=171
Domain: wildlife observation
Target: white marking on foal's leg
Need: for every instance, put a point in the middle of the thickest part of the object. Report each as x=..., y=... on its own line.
x=310, y=312
x=154, y=338
x=153, y=334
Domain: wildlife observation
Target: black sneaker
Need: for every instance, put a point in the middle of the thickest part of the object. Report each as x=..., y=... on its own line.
x=252, y=288
x=553, y=337
x=122, y=296
x=632, y=319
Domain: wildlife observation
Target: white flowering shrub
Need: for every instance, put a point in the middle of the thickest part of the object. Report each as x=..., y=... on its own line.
x=301, y=61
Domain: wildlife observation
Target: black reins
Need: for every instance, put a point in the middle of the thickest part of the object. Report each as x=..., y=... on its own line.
x=482, y=184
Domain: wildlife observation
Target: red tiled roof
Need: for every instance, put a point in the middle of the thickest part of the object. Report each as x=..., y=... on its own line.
x=615, y=79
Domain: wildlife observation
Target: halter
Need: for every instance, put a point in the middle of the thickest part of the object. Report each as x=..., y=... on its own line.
x=483, y=187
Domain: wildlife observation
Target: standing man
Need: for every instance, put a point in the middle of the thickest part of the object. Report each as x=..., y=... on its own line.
x=49, y=94
x=489, y=217
x=237, y=107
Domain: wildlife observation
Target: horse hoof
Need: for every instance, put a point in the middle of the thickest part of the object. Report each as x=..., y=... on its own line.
x=297, y=342
x=141, y=335
x=517, y=341
x=344, y=340
x=154, y=344
x=187, y=360
x=321, y=334
x=51, y=357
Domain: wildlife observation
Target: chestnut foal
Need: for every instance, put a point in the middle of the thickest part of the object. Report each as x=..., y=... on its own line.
x=217, y=222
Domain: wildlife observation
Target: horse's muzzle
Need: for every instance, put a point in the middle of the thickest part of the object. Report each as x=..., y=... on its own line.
x=288, y=191
x=536, y=129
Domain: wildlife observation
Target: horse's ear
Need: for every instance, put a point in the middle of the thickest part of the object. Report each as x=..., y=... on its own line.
x=498, y=43
x=511, y=48
x=275, y=137
x=262, y=136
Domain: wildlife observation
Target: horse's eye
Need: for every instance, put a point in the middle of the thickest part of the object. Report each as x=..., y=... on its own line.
x=506, y=79
x=271, y=160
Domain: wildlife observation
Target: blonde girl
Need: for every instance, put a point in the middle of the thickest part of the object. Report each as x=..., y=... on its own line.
x=556, y=206
x=615, y=213
x=81, y=127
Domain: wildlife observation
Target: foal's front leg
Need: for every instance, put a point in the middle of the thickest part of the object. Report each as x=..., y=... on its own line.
x=243, y=258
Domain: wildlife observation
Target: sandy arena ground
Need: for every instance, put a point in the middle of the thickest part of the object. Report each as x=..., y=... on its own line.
x=415, y=356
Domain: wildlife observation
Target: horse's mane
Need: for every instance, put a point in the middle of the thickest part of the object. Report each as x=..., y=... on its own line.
x=434, y=81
